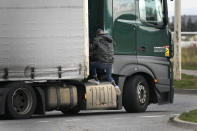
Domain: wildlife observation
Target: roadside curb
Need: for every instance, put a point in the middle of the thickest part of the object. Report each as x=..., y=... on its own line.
x=185, y=91
x=175, y=120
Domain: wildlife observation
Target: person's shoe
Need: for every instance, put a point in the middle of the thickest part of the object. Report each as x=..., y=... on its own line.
x=118, y=92
x=86, y=79
x=94, y=80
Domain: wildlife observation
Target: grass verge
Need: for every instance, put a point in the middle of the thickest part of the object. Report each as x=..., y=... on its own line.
x=189, y=68
x=189, y=58
x=187, y=82
x=189, y=116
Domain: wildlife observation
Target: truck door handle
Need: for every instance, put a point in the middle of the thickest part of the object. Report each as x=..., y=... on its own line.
x=134, y=27
x=142, y=48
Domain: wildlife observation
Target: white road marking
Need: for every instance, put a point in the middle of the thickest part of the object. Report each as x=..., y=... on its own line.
x=118, y=118
x=175, y=114
x=72, y=120
x=153, y=116
x=43, y=121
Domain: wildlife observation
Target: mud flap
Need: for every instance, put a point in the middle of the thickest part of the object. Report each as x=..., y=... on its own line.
x=171, y=83
x=3, y=95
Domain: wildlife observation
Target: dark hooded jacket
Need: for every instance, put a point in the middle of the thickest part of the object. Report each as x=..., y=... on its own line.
x=103, y=49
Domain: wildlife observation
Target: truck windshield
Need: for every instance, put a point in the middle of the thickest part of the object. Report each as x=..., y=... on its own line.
x=151, y=11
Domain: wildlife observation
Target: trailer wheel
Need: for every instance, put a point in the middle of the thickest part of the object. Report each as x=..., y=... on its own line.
x=136, y=94
x=21, y=101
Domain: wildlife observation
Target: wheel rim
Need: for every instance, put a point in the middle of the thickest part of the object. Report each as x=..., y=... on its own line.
x=141, y=93
x=22, y=101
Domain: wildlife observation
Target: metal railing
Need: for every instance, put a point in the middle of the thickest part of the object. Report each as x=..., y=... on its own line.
x=189, y=39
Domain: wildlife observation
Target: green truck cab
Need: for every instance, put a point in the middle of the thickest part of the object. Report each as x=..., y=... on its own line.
x=44, y=55
x=143, y=48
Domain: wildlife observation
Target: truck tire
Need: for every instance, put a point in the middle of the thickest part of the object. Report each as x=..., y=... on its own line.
x=21, y=101
x=136, y=94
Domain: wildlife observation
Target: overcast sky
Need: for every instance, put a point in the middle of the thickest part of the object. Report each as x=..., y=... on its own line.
x=188, y=7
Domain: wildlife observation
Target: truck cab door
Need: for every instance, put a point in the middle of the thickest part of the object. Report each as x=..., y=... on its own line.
x=124, y=30
x=153, y=36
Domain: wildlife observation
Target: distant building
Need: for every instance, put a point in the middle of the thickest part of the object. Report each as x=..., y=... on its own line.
x=188, y=23
x=185, y=18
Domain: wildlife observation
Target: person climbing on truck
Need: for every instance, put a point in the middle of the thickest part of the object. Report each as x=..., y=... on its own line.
x=103, y=57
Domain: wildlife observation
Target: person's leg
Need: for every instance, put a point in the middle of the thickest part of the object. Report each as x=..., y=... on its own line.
x=99, y=65
x=107, y=67
x=93, y=66
x=93, y=74
x=109, y=73
x=96, y=65
x=110, y=79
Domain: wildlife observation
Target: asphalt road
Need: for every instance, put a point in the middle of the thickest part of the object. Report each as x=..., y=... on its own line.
x=155, y=119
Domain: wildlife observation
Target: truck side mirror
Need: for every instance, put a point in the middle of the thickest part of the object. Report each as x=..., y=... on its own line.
x=166, y=19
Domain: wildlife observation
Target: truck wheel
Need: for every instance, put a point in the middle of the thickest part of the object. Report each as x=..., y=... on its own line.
x=136, y=94
x=21, y=101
